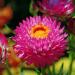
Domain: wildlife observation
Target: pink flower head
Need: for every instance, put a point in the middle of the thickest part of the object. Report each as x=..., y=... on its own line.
x=39, y=41
x=3, y=47
x=56, y=7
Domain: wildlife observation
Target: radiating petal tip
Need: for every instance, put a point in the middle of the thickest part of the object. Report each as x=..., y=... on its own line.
x=42, y=37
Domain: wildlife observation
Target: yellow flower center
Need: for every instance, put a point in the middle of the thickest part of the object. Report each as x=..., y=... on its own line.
x=39, y=31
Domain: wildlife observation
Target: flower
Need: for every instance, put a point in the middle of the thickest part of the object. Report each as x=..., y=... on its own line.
x=6, y=13
x=3, y=47
x=56, y=7
x=39, y=41
x=13, y=60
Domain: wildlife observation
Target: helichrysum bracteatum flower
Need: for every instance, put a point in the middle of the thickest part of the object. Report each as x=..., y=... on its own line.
x=39, y=41
x=3, y=47
x=56, y=7
x=13, y=60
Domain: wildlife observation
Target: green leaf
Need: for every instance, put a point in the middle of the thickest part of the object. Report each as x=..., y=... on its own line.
x=71, y=43
x=73, y=15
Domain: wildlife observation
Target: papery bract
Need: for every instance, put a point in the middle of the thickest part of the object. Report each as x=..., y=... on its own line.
x=3, y=48
x=39, y=41
x=56, y=7
x=13, y=60
x=6, y=13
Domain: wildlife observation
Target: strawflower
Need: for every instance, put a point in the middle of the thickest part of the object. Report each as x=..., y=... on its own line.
x=6, y=14
x=13, y=60
x=39, y=41
x=3, y=48
x=56, y=7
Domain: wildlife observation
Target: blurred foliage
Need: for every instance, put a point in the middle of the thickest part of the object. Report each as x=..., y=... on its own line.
x=23, y=9
x=61, y=68
x=71, y=44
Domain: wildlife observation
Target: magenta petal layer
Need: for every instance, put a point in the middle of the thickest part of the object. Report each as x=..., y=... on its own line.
x=44, y=50
x=3, y=47
x=56, y=7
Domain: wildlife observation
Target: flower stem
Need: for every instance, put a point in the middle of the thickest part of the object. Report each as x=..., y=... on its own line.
x=53, y=70
x=43, y=71
x=49, y=71
x=22, y=68
x=37, y=71
x=8, y=68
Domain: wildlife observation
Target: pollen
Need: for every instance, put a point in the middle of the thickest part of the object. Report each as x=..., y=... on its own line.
x=39, y=31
